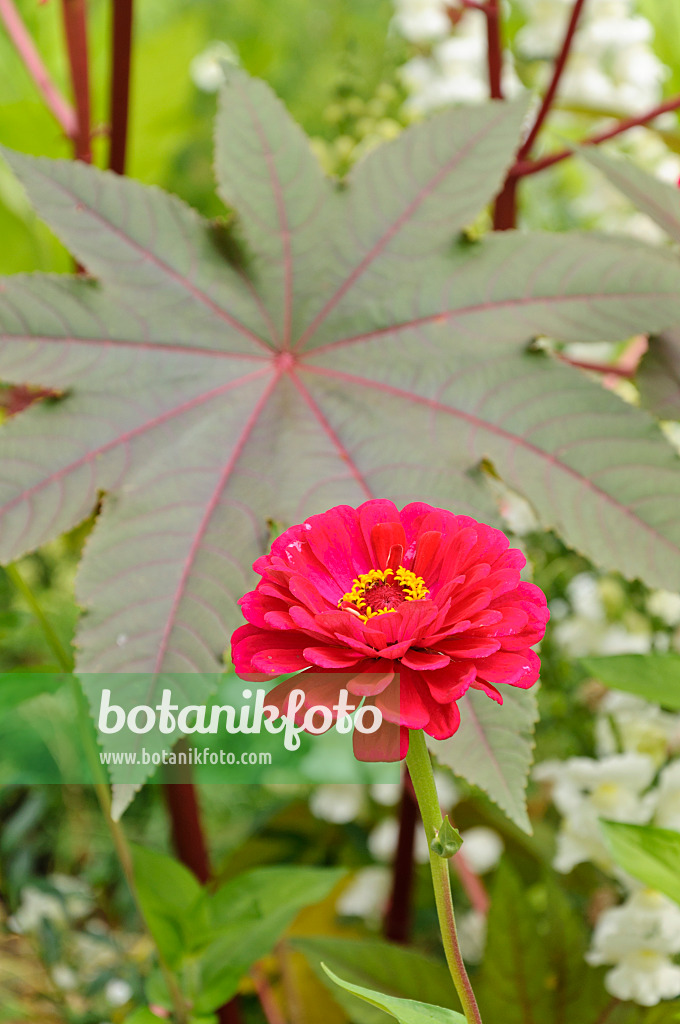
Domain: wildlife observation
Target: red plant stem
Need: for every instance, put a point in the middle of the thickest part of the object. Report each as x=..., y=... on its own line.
x=524, y=168
x=492, y=10
x=269, y=1005
x=121, y=49
x=187, y=832
x=188, y=839
x=472, y=883
x=75, y=28
x=558, y=71
x=397, y=926
x=617, y=371
x=26, y=48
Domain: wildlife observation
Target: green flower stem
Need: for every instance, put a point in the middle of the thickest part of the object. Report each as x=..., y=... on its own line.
x=420, y=769
x=100, y=782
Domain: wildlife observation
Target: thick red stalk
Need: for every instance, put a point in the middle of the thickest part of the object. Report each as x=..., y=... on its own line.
x=186, y=828
x=505, y=207
x=188, y=840
x=524, y=168
x=26, y=48
x=121, y=49
x=558, y=71
x=492, y=10
x=397, y=926
x=75, y=28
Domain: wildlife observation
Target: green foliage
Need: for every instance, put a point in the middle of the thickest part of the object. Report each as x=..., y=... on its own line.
x=533, y=970
x=406, y=1011
x=493, y=748
x=212, y=939
x=380, y=966
x=654, y=677
x=652, y=855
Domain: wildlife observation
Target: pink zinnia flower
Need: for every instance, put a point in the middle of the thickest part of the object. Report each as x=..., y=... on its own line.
x=413, y=607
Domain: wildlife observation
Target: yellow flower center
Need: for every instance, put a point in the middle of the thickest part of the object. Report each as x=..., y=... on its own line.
x=382, y=590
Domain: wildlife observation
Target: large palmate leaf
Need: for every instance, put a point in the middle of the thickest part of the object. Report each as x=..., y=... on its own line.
x=494, y=748
x=338, y=344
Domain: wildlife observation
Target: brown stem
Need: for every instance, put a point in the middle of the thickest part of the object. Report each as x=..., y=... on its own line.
x=75, y=28
x=492, y=10
x=33, y=62
x=524, y=168
x=121, y=49
x=558, y=71
x=397, y=926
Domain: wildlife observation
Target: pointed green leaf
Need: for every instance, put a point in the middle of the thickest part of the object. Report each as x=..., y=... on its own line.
x=652, y=855
x=169, y=896
x=406, y=1011
x=654, y=677
x=245, y=918
x=382, y=966
x=493, y=748
x=514, y=986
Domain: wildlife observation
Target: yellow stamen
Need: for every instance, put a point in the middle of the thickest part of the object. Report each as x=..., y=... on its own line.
x=404, y=584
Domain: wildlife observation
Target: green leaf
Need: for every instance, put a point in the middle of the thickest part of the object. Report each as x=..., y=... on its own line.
x=244, y=920
x=407, y=1011
x=493, y=748
x=654, y=677
x=649, y=854
x=190, y=357
x=169, y=896
x=16, y=690
x=658, y=199
x=376, y=965
x=515, y=982
x=577, y=991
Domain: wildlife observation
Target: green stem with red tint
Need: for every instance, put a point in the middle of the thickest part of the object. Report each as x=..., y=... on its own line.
x=420, y=769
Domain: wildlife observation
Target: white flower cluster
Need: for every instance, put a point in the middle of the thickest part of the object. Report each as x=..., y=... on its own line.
x=454, y=69
x=612, y=65
x=597, y=618
x=639, y=938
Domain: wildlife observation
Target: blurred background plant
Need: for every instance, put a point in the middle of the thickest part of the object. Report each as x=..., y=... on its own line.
x=354, y=74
